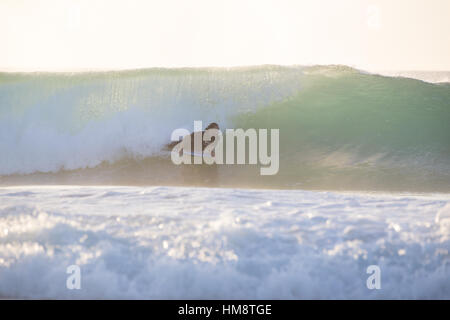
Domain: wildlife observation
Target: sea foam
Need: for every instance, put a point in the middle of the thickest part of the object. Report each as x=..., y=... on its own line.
x=195, y=243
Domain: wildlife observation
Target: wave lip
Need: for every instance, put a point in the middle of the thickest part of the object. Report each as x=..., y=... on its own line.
x=427, y=76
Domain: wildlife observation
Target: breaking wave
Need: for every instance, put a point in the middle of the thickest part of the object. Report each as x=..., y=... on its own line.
x=339, y=128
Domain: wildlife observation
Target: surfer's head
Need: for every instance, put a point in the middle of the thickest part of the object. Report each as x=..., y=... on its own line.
x=212, y=125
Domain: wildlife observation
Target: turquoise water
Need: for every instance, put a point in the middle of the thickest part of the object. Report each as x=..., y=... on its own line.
x=339, y=128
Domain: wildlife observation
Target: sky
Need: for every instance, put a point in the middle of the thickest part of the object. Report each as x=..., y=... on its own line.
x=61, y=35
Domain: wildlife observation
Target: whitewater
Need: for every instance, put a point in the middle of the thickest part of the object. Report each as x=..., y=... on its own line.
x=207, y=243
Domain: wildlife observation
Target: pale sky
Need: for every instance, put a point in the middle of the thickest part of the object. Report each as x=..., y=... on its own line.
x=108, y=34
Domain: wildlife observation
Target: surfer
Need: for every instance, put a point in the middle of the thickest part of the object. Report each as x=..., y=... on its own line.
x=212, y=125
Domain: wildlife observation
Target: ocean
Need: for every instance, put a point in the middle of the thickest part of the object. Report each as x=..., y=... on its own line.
x=364, y=180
